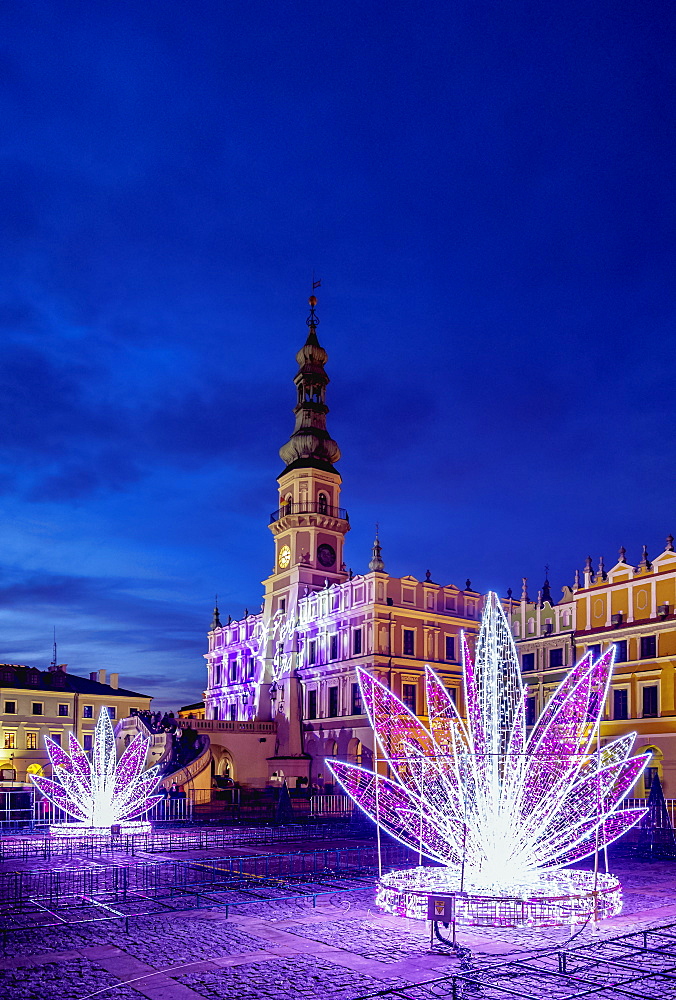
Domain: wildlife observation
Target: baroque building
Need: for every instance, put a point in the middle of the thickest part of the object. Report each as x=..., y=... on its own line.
x=632, y=608
x=294, y=663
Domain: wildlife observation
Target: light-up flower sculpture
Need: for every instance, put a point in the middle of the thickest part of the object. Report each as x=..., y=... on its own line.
x=103, y=791
x=502, y=812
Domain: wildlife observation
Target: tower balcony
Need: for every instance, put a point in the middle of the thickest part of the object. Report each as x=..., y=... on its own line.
x=309, y=508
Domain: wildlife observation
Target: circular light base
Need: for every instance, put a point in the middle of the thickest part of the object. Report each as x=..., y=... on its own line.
x=83, y=830
x=548, y=898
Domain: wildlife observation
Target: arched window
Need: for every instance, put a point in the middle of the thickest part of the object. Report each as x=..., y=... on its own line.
x=322, y=503
x=288, y=504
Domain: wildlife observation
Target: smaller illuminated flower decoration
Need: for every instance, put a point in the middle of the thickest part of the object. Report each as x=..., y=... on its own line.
x=104, y=790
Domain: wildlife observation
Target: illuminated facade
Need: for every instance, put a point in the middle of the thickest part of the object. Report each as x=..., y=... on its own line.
x=633, y=609
x=295, y=662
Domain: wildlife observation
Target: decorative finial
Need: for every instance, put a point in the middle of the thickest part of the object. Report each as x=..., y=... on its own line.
x=546, y=593
x=428, y=576
x=509, y=593
x=645, y=561
x=376, y=562
x=670, y=543
x=524, y=589
x=468, y=584
x=623, y=554
x=312, y=321
x=576, y=581
x=216, y=621
x=602, y=569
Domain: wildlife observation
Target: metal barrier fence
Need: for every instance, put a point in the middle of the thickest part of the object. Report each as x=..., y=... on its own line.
x=168, y=841
x=42, y=898
x=331, y=805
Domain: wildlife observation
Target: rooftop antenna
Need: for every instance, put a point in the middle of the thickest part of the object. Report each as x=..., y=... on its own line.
x=53, y=663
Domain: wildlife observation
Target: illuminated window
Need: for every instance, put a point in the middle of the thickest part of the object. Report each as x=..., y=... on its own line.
x=450, y=647
x=10, y=708
x=555, y=657
x=333, y=702
x=10, y=741
x=356, y=641
x=650, y=701
x=409, y=697
x=648, y=646
x=31, y=741
x=620, y=703
x=409, y=642
x=64, y=710
x=87, y=711
x=530, y=711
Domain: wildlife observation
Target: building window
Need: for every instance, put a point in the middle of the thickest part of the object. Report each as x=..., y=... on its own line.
x=10, y=708
x=409, y=698
x=530, y=711
x=10, y=741
x=471, y=608
x=333, y=647
x=87, y=740
x=34, y=679
x=621, y=652
x=450, y=647
x=648, y=647
x=453, y=692
x=356, y=700
x=595, y=651
x=333, y=702
x=56, y=737
x=312, y=704
x=409, y=642
x=233, y=713
x=31, y=741
x=650, y=702
x=555, y=657
x=450, y=602
x=356, y=642
x=620, y=703
x=233, y=670
x=648, y=775
x=87, y=711
x=63, y=710
x=282, y=605
x=528, y=661
x=312, y=651
x=112, y=712
x=322, y=503
x=36, y=708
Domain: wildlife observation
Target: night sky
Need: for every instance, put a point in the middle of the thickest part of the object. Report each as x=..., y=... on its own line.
x=486, y=190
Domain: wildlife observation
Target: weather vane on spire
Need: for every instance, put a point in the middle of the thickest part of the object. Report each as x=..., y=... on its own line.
x=312, y=320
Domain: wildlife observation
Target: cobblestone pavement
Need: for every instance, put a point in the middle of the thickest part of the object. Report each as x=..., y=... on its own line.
x=342, y=948
x=56, y=980
x=298, y=976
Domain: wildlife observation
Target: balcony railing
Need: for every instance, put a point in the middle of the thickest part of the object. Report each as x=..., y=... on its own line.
x=309, y=508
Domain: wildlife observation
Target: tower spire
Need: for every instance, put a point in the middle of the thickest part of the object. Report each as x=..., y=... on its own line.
x=310, y=444
x=376, y=564
x=216, y=620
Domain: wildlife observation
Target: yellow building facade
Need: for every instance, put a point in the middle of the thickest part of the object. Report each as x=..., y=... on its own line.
x=634, y=609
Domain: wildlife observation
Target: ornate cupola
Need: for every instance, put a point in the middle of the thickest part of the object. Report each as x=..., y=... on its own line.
x=310, y=445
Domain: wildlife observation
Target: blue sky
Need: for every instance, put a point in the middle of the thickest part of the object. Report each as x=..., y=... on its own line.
x=486, y=191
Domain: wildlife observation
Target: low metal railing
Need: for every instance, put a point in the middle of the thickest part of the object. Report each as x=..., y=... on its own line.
x=309, y=508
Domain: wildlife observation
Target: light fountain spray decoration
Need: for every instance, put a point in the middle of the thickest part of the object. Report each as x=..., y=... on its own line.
x=104, y=791
x=498, y=812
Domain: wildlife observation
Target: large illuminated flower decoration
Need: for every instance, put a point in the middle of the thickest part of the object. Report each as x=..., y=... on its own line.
x=482, y=792
x=104, y=790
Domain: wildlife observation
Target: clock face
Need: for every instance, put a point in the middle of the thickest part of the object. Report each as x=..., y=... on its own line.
x=326, y=555
x=284, y=556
